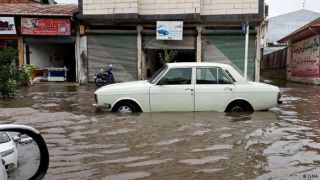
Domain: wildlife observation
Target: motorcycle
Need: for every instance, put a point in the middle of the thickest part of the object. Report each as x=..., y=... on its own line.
x=104, y=77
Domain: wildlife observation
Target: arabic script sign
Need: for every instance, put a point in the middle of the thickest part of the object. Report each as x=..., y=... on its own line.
x=169, y=30
x=7, y=25
x=45, y=26
x=305, y=58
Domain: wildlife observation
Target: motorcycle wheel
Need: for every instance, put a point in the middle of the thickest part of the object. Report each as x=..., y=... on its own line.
x=99, y=81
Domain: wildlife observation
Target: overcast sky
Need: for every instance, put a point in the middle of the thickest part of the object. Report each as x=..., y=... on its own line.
x=276, y=7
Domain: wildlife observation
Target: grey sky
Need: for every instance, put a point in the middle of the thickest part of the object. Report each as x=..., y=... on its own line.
x=276, y=7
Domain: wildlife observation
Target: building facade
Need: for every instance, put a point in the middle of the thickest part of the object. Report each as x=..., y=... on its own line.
x=43, y=33
x=125, y=33
x=303, y=57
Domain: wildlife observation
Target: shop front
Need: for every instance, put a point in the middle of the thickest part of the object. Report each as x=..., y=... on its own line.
x=8, y=35
x=50, y=47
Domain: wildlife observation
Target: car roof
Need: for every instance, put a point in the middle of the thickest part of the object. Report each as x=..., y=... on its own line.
x=197, y=64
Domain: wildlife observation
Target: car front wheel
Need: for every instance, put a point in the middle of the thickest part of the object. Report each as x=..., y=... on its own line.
x=126, y=108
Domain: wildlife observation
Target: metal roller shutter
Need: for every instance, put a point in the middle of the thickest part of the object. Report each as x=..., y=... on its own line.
x=229, y=48
x=118, y=50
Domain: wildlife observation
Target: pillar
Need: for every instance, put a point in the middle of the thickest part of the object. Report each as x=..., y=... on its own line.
x=258, y=54
x=199, y=43
x=139, y=51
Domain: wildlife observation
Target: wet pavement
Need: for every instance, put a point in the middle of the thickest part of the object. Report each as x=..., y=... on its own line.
x=283, y=143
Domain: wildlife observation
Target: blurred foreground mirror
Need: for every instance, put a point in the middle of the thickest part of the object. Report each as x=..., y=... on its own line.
x=23, y=153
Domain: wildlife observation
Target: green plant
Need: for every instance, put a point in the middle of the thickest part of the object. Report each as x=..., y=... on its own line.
x=26, y=73
x=167, y=55
x=8, y=71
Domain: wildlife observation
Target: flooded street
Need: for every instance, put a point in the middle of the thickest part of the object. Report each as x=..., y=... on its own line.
x=283, y=143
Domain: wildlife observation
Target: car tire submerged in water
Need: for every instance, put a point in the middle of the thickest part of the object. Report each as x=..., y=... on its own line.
x=240, y=106
x=126, y=107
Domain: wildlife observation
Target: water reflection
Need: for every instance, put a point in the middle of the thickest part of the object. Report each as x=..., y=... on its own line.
x=280, y=144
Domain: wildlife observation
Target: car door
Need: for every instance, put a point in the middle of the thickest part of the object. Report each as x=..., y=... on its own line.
x=173, y=92
x=213, y=88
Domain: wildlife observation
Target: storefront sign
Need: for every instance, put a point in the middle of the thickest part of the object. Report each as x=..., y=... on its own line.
x=7, y=25
x=169, y=30
x=45, y=26
x=305, y=58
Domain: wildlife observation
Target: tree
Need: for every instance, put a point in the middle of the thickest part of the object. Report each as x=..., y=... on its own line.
x=167, y=55
x=8, y=71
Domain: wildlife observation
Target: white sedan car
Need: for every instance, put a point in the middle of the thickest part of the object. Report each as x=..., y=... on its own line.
x=8, y=151
x=189, y=87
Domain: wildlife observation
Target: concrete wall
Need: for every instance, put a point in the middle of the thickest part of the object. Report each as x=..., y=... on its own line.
x=303, y=64
x=156, y=7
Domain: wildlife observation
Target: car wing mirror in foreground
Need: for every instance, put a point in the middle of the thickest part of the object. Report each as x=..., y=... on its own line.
x=23, y=152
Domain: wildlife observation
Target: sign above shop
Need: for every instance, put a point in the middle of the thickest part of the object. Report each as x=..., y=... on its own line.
x=169, y=30
x=7, y=25
x=45, y=26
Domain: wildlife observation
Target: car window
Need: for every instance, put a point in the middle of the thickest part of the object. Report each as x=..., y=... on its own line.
x=157, y=74
x=177, y=76
x=4, y=137
x=230, y=75
x=207, y=75
x=212, y=75
x=223, y=78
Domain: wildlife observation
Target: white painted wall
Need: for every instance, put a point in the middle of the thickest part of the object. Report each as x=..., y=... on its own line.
x=46, y=55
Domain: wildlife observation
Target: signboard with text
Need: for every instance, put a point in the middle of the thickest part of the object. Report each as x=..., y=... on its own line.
x=169, y=30
x=45, y=26
x=7, y=25
x=305, y=58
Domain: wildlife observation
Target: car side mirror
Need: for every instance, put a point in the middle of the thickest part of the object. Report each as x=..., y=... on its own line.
x=34, y=160
x=16, y=138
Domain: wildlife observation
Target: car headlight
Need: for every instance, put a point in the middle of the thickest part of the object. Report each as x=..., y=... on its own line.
x=7, y=152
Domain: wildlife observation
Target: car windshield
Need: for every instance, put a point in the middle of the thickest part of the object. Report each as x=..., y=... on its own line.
x=157, y=74
x=4, y=137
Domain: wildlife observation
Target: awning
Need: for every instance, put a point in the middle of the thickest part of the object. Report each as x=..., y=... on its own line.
x=188, y=43
x=7, y=25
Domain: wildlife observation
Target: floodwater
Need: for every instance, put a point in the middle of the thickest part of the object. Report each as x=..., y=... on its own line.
x=283, y=143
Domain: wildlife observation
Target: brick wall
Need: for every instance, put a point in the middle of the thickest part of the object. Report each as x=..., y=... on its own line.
x=110, y=6
x=220, y=7
x=147, y=7
x=152, y=7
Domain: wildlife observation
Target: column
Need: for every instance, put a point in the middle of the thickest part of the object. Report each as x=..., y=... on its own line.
x=199, y=43
x=258, y=54
x=139, y=51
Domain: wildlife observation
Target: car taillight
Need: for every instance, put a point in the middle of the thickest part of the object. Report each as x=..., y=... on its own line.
x=95, y=98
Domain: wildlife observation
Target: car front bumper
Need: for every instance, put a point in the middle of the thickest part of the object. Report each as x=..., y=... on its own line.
x=102, y=106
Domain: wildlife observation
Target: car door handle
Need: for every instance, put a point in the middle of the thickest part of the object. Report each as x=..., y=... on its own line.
x=228, y=89
x=189, y=89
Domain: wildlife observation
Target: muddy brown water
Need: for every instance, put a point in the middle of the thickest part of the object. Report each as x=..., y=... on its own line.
x=282, y=143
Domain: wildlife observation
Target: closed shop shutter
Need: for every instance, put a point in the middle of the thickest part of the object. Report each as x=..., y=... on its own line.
x=229, y=48
x=118, y=50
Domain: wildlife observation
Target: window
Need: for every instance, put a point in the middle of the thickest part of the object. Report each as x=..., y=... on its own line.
x=223, y=78
x=207, y=76
x=212, y=75
x=177, y=76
